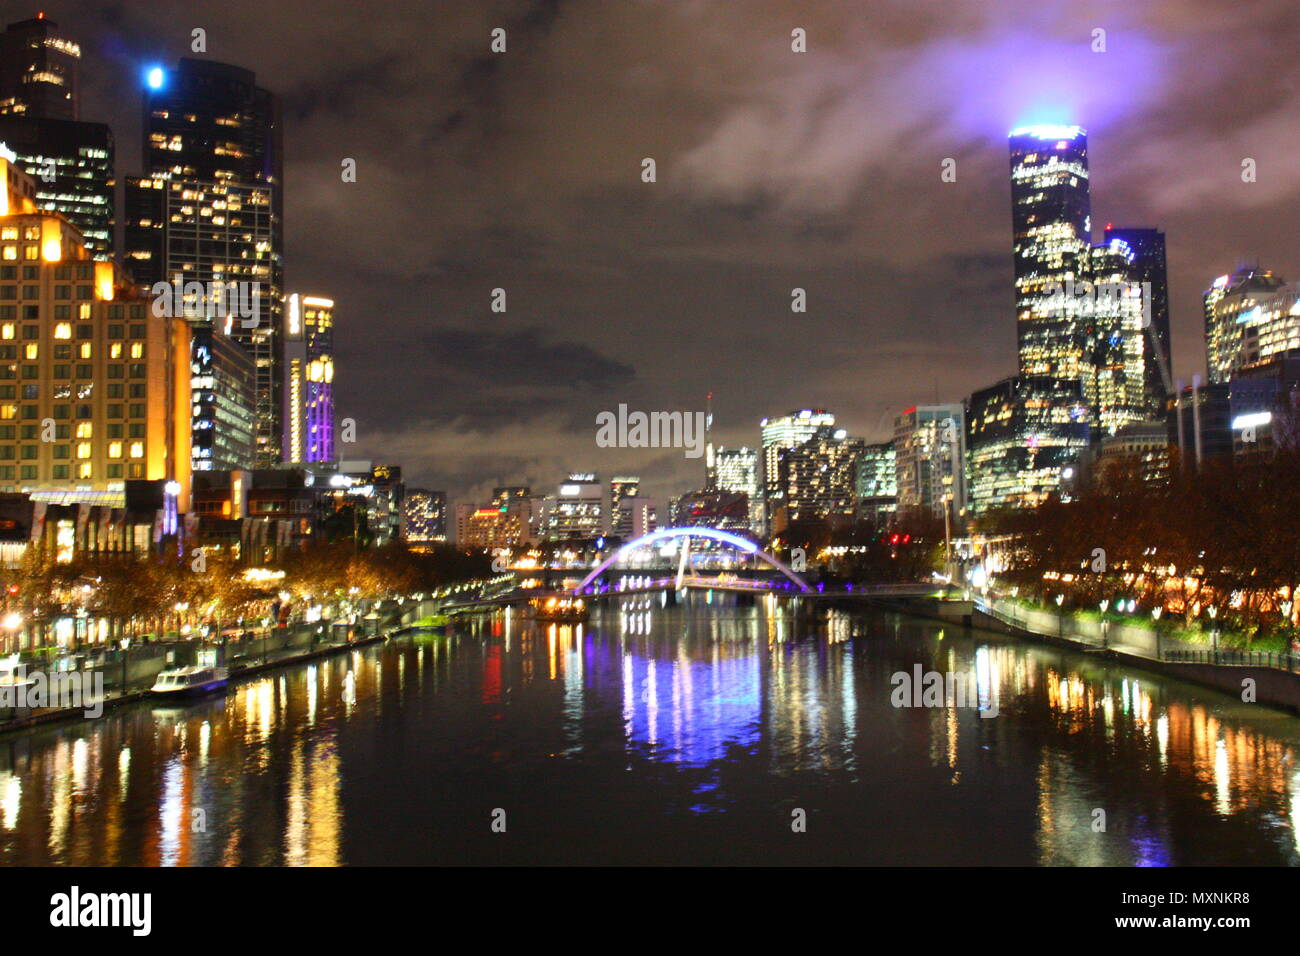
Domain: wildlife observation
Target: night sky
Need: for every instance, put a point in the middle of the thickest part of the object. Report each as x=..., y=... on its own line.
x=776, y=170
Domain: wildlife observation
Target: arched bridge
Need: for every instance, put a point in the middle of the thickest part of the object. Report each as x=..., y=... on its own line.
x=712, y=534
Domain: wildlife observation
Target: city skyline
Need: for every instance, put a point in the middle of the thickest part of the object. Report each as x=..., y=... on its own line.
x=573, y=341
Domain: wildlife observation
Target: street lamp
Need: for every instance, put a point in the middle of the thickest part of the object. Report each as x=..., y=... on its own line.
x=1214, y=631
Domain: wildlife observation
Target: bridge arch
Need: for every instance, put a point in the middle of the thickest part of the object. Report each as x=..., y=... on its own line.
x=715, y=534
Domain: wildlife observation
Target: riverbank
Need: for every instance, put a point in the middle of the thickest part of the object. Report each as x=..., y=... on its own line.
x=1140, y=648
x=62, y=715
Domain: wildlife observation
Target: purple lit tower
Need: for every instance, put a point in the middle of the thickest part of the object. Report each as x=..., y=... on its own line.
x=309, y=400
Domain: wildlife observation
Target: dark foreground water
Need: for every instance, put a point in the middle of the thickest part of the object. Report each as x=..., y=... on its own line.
x=701, y=734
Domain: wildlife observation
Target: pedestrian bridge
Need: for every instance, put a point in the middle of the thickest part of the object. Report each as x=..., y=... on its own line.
x=587, y=586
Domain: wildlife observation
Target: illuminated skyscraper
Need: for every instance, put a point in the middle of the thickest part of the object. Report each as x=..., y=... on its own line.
x=70, y=161
x=737, y=471
x=1252, y=317
x=785, y=432
x=210, y=208
x=929, y=460
x=94, y=386
x=309, y=386
x=38, y=70
x=1149, y=265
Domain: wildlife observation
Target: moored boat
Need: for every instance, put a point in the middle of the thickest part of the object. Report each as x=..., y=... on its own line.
x=189, y=681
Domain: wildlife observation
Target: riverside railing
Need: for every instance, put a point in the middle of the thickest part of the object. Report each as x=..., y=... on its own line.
x=1046, y=622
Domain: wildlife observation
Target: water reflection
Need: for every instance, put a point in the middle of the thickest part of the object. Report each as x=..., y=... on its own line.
x=675, y=725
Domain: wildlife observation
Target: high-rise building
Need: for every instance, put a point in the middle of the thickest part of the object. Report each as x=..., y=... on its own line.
x=784, y=432
x=38, y=70
x=209, y=209
x=426, y=515
x=577, y=511
x=1252, y=317
x=1079, y=308
x=877, y=483
x=1149, y=265
x=621, y=488
x=1023, y=438
x=222, y=396
x=816, y=479
x=70, y=161
x=309, y=388
x=930, y=459
x=94, y=387
x=737, y=470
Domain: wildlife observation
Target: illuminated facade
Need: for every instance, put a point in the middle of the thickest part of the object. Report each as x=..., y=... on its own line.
x=1149, y=265
x=877, y=483
x=576, y=511
x=94, y=388
x=70, y=161
x=309, y=385
x=223, y=385
x=736, y=469
x=929, y=459
x=1079, y=307
x=426, y=515
x=1024, y=436
x=785, y=432
x=621, y=488
x=38, y=70
x=816, y=479
x=209, y=208
x=1251, y=318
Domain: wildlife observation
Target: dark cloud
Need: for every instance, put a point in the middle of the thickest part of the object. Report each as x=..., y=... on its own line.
x=776, y=170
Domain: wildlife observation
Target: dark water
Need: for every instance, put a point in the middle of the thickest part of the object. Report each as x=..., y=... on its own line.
x=679, y=735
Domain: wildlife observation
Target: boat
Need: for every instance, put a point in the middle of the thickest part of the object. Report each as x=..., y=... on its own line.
x=559, y=609
x=189, y=681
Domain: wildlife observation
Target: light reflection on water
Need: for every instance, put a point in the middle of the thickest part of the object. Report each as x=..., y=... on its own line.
x=673, y=734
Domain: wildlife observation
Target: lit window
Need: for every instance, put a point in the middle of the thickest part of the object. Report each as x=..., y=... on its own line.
x=86, y=350
x=85, y=430
x=137, y=349
x=63, y=330
x=115, y=350
x=83, y=449
x=115, y=449
x=8, y=411
x=7, y=331
x=85, y=470
x=137, y=449
x=31, y=350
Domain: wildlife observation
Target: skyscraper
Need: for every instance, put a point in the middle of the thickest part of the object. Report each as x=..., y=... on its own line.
x=737, y=471
x=1149, y=265
x=816, y=479
x=1251, y=318
x=1078, y=307
x=783, y=432
x=94, y=386
x=70, y=161
x=38, y=70
x=929, y=460
x=309, y=389
x=209, y=209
